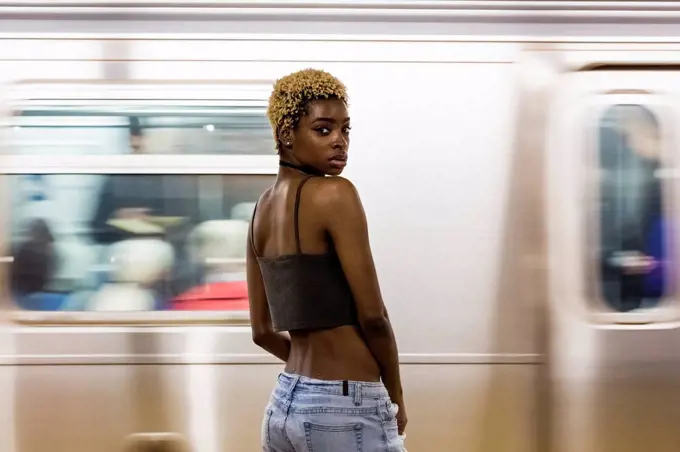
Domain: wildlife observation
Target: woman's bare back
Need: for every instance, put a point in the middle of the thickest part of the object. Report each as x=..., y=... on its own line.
x=337, y=353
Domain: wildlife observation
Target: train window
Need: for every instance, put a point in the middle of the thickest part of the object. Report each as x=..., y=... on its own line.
x=128, y=127
x=634, y=258
x=131, y=242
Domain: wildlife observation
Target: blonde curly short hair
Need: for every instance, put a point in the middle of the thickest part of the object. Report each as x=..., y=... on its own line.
x=292, y=94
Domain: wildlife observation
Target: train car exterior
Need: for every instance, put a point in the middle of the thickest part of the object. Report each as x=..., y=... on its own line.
x=492, y=173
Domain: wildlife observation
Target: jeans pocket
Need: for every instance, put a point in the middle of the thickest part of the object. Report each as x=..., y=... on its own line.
x=341, y=438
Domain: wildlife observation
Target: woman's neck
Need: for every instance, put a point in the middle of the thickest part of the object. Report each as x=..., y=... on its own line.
x=306, y=169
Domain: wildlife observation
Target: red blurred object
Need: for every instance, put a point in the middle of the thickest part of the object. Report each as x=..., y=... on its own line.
x=220, y=296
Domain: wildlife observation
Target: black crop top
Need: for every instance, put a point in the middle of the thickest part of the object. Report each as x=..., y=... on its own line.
x=305, y=291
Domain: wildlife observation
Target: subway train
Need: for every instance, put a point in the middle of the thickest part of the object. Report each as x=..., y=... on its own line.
x=517, y=165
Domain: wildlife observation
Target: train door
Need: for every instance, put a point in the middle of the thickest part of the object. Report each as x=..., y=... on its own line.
x=612, y=216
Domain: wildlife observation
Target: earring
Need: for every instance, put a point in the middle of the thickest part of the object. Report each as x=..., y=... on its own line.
x=288, y=143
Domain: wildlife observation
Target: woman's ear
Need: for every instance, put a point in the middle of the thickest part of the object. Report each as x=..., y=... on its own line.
x=286, y=137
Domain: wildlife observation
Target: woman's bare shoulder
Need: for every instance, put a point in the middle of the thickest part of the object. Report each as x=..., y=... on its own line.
x=336, y=197
x=334, y=189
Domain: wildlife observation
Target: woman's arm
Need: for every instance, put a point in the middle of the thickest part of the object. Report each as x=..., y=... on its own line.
x=347, y=226
x=277, y=344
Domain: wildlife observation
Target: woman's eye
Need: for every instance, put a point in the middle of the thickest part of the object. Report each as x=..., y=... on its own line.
x=347, y=129
x=323, y=130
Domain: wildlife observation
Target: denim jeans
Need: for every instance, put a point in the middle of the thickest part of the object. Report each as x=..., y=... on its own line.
x=309, y=415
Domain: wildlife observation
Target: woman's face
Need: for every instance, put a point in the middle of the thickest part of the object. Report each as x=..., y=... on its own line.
x=321, y=137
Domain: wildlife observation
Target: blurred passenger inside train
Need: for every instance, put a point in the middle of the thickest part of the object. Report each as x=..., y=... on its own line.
x=148, y=206
x=35, y=261
x=127, y=197
x=139, y=276
x=633, y=230
x=217, y=248
x=311, y=274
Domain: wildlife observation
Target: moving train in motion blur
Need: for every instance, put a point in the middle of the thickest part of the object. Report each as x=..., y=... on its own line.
x=518, y=166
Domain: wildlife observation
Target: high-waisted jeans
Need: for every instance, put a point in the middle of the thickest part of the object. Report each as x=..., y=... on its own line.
x=309, y=415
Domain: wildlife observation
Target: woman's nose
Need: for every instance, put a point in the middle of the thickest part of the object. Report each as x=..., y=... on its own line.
x=339, y=142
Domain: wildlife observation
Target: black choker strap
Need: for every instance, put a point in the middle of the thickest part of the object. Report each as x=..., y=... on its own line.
x=302, y=168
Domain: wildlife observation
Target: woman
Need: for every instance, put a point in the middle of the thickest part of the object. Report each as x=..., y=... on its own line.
x=311, y=273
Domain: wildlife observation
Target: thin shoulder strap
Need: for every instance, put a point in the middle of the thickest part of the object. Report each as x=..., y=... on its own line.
x=252, y=230
x=297, y=214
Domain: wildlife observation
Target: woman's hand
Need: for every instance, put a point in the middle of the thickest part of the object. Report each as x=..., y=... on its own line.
x=401, y=420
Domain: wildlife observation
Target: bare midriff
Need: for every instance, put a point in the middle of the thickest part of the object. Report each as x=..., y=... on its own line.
x=332, y=354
